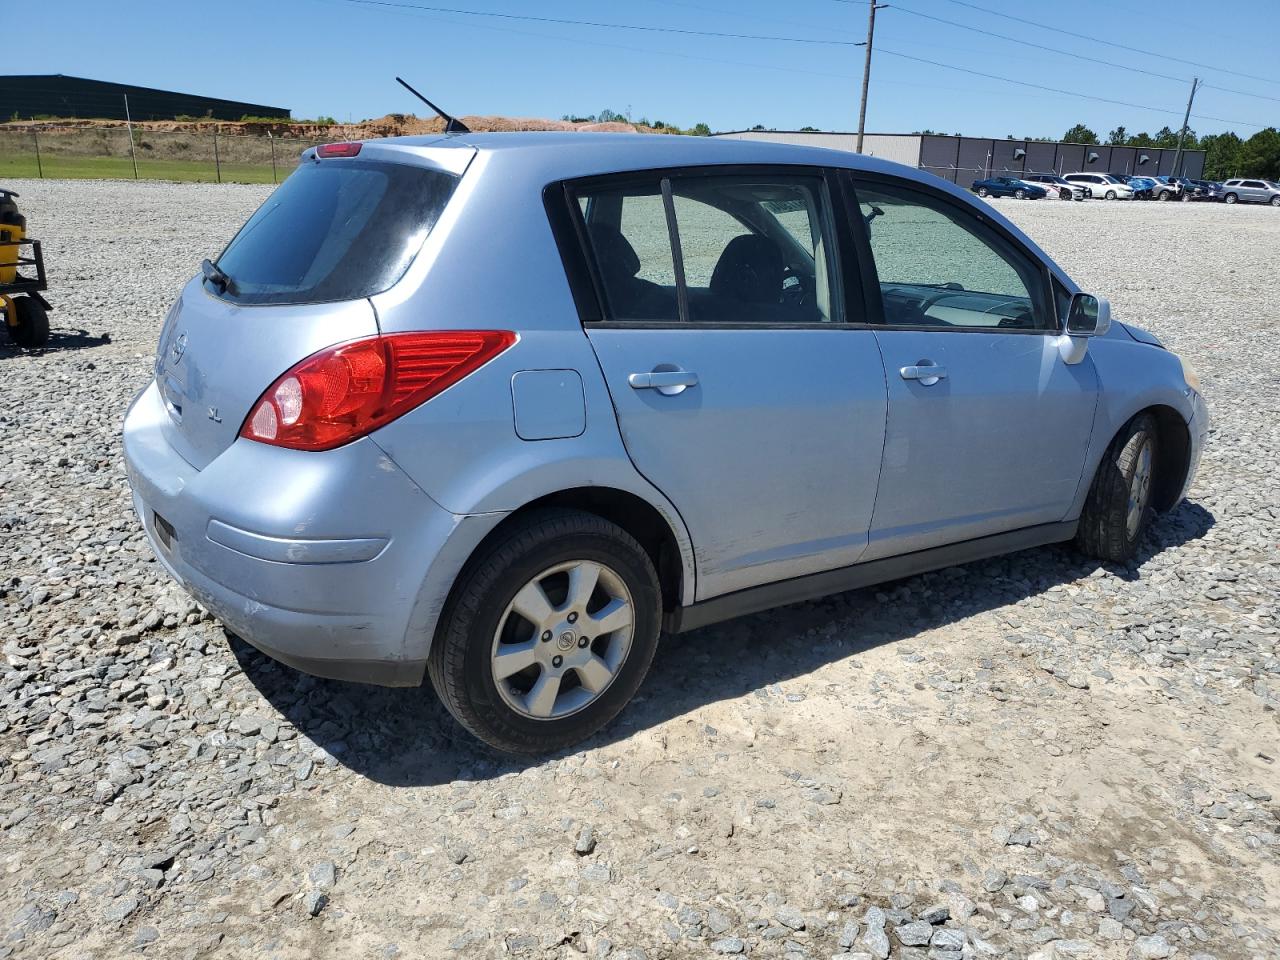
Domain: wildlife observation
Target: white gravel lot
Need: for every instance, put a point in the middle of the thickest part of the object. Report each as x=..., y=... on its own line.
x=1030, y=757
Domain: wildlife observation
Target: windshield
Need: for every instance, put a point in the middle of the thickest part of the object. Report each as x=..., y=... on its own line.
x=334, y=230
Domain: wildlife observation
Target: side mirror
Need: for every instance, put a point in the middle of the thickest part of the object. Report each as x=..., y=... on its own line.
x=1089, y=316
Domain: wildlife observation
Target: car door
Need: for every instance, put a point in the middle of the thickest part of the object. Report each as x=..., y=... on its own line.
x=1254, y=190
x=742, y=390
x=988, y=424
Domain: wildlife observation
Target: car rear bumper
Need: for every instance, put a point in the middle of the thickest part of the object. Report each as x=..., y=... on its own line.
x=335, y=563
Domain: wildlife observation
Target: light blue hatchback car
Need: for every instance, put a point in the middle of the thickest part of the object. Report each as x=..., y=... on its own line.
x=499, y=409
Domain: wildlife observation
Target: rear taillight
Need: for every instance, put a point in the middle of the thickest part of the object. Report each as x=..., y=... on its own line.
x=344, y=392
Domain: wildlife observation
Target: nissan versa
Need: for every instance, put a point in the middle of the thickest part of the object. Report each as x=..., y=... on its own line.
x=499, y=409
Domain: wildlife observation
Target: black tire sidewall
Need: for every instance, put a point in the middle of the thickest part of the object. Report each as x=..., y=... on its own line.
x=32, y=328
x=1103, y=523
x=464, y=645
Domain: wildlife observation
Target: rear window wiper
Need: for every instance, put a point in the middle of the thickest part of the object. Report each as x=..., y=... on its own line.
x=218, y=277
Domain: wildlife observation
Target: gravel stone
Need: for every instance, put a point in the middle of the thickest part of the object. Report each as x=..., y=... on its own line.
x=158, y=774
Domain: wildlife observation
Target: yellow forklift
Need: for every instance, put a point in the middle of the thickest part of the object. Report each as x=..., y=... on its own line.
x=26, y=312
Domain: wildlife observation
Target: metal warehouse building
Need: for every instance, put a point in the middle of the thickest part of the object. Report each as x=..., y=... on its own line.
x=55, y=95
x=965, y=159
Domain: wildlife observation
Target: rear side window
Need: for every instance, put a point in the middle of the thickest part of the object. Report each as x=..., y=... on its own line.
x=334, y=230
x=713, y=249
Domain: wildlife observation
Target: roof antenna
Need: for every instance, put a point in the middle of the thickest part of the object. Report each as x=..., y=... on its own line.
x=451, y=124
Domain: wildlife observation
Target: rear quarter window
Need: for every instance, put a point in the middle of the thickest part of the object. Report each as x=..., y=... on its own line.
x=334, y=230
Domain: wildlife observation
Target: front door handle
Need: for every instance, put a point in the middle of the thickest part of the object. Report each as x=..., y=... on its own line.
x=927, y=373
x=666, y=382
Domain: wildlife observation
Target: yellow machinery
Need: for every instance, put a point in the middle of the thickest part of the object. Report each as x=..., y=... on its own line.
x=26, y=312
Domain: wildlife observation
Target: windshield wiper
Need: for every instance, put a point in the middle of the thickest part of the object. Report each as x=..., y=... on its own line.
x=218, y=277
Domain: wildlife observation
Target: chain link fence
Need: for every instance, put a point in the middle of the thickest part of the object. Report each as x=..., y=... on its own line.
x=111, y=153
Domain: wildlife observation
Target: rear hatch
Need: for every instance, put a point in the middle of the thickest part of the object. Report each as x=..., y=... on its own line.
x=301, y=270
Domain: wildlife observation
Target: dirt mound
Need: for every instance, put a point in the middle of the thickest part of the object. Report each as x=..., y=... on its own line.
x=392, y=125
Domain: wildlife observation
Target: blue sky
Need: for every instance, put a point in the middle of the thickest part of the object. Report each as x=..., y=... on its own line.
x=339, y=57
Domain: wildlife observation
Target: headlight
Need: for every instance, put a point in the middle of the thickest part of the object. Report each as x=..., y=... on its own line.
x=1189, y=374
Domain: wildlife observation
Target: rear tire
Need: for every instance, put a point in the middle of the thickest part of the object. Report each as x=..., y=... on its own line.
x=1020, y=194
x=1164, y=195
x=984, y=192
x=1118, y=509
x=32, y=327
x=483, y=622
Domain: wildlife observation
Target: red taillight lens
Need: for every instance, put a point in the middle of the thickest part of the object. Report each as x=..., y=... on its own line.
x=326, y=150
x=344, y=392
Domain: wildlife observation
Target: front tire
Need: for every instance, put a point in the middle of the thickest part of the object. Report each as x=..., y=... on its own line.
x=1110, y=195
x=1020, y=194
x=548, y=634
x=1230, y=198
x=1118, y=508
x=1275, y=201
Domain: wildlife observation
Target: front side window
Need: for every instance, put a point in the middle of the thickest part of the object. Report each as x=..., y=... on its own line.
x=942, y=266
x=713, y=249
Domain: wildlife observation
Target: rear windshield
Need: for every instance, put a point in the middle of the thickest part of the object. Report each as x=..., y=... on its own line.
x=334, y=230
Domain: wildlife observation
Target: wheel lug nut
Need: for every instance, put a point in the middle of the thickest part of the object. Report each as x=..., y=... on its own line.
x=556, y=661
x=546, y=635
x=583, y=641
x=573, y=618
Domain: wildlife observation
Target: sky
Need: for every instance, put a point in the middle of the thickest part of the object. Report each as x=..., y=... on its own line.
x=340, y=57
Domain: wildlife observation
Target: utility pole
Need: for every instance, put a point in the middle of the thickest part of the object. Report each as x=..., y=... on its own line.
x=1182, y=134
x=866, y=69
x=129, y=122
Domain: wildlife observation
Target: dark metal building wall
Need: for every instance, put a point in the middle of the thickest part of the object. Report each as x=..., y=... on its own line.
x=972, y=160
x=938, y=155
x=1004, y=156
x=1040, y=157
x=59, y=96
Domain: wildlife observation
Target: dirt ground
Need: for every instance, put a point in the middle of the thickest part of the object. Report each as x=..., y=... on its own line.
x=1027, y=757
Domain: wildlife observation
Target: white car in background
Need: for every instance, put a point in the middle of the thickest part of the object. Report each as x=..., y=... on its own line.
x=1064, y=189
x=1103, y=185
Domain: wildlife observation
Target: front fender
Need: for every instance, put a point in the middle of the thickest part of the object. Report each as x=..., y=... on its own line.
x=1132, y=377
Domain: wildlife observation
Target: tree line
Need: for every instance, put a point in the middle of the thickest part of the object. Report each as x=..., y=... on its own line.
x=1226, y=154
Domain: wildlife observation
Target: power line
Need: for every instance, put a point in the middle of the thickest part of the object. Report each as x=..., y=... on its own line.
x=1070, y=93
x=1039, y=46
x=1109, y=43
x=1243, y=93
x=595, y=23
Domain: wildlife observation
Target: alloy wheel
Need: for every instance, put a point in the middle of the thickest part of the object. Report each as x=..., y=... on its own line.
x=1139, y=490
x=562, y=639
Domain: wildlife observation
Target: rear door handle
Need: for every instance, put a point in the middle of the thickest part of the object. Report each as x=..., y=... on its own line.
x=927, y=373
x=667, y=382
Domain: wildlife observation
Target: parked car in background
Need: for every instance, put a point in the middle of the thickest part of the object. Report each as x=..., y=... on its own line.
x=1166, y=189
x=1189, y=189
x=1052, y=182
x=1203, y=190
x=1251, y=191
x=1144, y=188
x=1103, y=185
x=436, y=411
x=1009, y=187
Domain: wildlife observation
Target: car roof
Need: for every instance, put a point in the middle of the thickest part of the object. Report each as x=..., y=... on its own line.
x=574, y=154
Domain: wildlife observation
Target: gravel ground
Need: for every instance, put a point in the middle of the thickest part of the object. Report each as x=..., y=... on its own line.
x=1026, y=757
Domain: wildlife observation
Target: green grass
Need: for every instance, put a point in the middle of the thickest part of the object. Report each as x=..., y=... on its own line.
x=121, y=168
